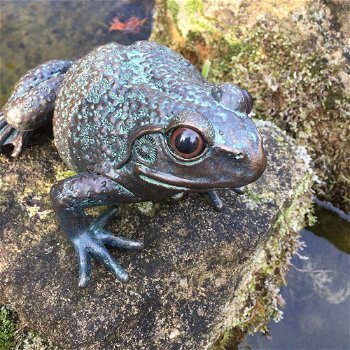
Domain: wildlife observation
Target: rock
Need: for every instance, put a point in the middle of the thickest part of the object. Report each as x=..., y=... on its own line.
x=292, y=56
x=203, y=279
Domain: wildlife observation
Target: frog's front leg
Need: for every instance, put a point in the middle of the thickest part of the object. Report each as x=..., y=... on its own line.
x=70, y=197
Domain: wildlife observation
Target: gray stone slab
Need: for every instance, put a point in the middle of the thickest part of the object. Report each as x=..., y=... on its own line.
x=181, y=284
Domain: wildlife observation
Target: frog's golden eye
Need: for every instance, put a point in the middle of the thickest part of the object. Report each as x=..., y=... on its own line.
x=186, y=142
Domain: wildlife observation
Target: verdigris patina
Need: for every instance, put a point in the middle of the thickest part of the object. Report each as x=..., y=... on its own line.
x=137, y=123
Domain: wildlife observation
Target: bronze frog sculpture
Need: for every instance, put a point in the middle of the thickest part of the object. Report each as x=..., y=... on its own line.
x=137, y=123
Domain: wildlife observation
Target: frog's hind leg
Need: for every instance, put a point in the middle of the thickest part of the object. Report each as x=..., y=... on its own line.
x=31, y=103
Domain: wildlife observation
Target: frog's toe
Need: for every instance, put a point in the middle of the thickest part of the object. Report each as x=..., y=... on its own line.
x=118, y=241
x=3, y=122
x=5, y=134
x=84, y=268
x=109, y=239
x=239, y=190
x=91, y=242
x=19, y=141
x=103, y=219
x=10, y=135
x=215, y=200
x=178, y=197
x=100, y=253
x=6, y=130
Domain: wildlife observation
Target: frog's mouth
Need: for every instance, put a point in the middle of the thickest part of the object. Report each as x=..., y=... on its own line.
x=161, y=179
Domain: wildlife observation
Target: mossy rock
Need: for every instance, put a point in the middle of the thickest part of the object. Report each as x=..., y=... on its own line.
x=292, y=56
x=203, y=280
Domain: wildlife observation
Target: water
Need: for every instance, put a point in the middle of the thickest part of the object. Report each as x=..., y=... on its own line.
x=32, y=32
x=317, y=313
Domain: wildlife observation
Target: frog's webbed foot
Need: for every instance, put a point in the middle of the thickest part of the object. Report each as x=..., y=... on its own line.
x=92, y=242
x=10, y=135
x=70, y=198
x=216, y=201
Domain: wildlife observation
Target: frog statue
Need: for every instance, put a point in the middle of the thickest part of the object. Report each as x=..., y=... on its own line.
x=136, y=123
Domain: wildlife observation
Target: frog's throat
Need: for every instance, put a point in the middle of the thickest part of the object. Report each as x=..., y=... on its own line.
x=165, y=180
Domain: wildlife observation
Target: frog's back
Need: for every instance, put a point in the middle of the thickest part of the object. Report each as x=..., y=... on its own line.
x=112, y=92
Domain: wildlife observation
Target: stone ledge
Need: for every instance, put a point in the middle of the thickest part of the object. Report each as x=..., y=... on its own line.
x=193, y=286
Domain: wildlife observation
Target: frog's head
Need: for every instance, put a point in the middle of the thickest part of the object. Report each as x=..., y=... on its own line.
x=200, y=152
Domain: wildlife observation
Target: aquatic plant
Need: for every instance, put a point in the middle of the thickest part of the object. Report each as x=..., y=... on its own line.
x=131, y=25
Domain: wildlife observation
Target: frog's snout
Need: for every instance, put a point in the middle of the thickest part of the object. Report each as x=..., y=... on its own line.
x=258, y=162
x=244, y=163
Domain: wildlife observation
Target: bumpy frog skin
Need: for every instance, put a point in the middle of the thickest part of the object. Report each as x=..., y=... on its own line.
x=137, y=123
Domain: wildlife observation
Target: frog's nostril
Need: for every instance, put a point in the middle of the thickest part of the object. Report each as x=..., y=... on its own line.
x=237, y=155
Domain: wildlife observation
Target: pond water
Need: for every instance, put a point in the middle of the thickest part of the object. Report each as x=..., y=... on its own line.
x=32, y=32
x=317, y=313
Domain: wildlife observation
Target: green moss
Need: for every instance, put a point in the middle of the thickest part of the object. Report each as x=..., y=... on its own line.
x=173, y=7
x=145, y=208
x=33, y=341
x=15, y=336
x=64, y=173
x=236, y=47
x=193, y=36
x=302, y=93
x=7, y=328
x=193, y=7
x=298, y=76
x=193, y=18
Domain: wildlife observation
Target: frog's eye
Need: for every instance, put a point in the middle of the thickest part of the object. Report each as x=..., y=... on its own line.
x=186, y=142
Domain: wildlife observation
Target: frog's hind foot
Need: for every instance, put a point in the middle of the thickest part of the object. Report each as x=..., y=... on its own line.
x=92, y=244
x=10, y=135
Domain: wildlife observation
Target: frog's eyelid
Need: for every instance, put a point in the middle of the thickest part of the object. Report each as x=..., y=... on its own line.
x=169, y=132
x=193, y=120
x=244, y=102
